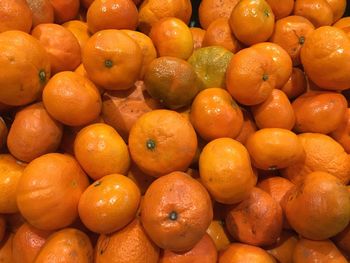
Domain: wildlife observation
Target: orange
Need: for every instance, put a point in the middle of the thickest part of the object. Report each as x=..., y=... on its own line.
x=112, y=14
x=317, y=251
x=314, y=219
x=25, y=75
x=328, y=70
x=142, y=180
x=210, y=64
x=252, y=21
x=15, y=15
x=290, y=33
x=163, y=83
x=72, y=99
x=67, y=245
x=248, y=127
x=33, y=133
x=81, y=71
x=112, y=59
x=79, y=30
x=225, y=170
x=338, y=7
x=172, y=37
x=343, y=23
x=218, y=234
x=27, y=243
x=274, y=148
x=11, y=171
x=210, y=10
x=109, y=203
x=281, y=9
x=6, y=249
x=251, y=76
x=257, y=220
x=65, y=10
x=176, y=211
x=214, y=114
x=341, y=134
x=161, y=142
x=42, y=11
x=319, y=12
x=58, y=182
x=61, y=45
x=198, y=36
x=151, y=11
x=240, y=253
x=219, y=33
x=100, y=150
x=130, y=244
x=284, y=248
x=203, y=252
x=275, y=112
x=319, y=111
x=148, y=50
x=296, y=84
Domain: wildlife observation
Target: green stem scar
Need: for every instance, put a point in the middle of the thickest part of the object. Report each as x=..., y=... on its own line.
x=173, y=215
x=108, y=63
x=267, y=12
x=265, y=77
x=150, y=144
x=42, y=76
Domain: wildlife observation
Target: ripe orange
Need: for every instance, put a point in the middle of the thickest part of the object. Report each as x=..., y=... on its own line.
x=198, y=36
x=342, y=134
x=338, y=8
x=296, y=84
x=79, y=30
x=319, y=12
x=15, y=15
x=284, y=248
x=248, y=127
x=65, y=10
x=42, y=11
x=343, y=23
x=281, y=8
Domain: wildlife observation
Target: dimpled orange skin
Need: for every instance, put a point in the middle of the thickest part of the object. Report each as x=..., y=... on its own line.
x=275, y=112
x=193, y=214
x=252, y=21
x=342, y=133
x=225, y=170
x=326, y=58
x=112, y=59
x=53, y=184
x=15, y=15
x=214, y=114
x=25, y=75
x=296, y=84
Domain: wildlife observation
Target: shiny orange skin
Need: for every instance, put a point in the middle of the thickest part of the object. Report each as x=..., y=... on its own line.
x=328, y=70
x=281, y=9
x=27, y=243
x=341, y=134
x=275, y=112
x=65, y=10
x=112, y=59
x=33, y=133
x=203, y=252
x=248, y=127
x=15, y=15
x=319, y=12
x=210, y=10
x=61, y=45
x=109, y=204
x=198, y=36
x=214, y=114
x=79, y=30
x=257, y=220
x=173, y=224
x=72, y=99
x=67, y=245
x=296, y=84
x=226, y=171
x=317, y=251
x=112, y=14
x=219, y=33
x=218, y=234
x=96, y=147
x=319, y=208
x=130, y=244
x=240, y=253
x=58, y=182
x=284, y=248
x=252, y=21
x=25, y=75
x=319, y=112
x=42, y=11
x=6, y=249
x=251, y=76
x=161, y=142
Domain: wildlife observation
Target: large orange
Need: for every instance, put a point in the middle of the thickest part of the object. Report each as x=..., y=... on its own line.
x=15, y=15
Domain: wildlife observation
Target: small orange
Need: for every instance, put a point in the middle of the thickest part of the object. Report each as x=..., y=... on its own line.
x=112, y=59
x=225, y=170
x=248, y=127
x=296, y=84
x=42, y=11
x=219, y=235
x=319, y=12
x=284, y=248
x=172, y=37
x=100, y=150
x=214, y=114
x=79, y=30
x=15, y=15
x=65, y=10
x=281, y=8
x=61, y=45
x=219, y=34
x=198, y=36
x=252, y=21
x=112, y=14
x=342, y=134
x=162, y=141
x=275, y=112
x=109, y=204
x=176, y=212
x=58, y=182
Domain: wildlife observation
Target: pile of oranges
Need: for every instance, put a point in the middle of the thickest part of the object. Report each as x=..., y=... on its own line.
x=128, y=136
